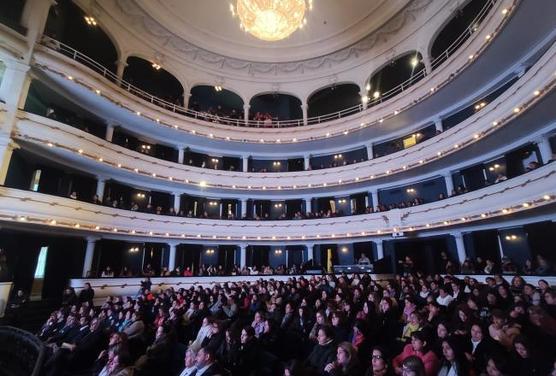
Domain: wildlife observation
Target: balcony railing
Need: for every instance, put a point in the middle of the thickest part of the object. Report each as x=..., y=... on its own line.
x=178, y=109
x=527, y=192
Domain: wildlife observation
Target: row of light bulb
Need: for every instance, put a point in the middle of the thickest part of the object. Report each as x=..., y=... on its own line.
x=495, y=124
x=488, y=38
x=547, y=198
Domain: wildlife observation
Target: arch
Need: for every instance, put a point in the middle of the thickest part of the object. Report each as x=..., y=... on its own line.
x=453, y=28
x=66, y=24
x=393, y=73
x=281, y=106
x=333, y=98
x=158, y=82
x=206, y=98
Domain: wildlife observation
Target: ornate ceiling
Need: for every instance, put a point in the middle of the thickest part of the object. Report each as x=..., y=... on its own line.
x=331, y=26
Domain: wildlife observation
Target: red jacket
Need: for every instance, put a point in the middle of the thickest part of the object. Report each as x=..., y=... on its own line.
x=429, y=359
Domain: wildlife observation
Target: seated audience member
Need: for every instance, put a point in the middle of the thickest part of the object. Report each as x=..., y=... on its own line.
x=501, y=330
x=497, y=366
x=419, y=348
x=189, y=363
x=206, y=363
x=136, y=328
x=346, y=363
x=479, y=348
x=379, y=363
x=323, y=352
x=454, y=362
x=528, y=360
x=413, y=366
x=107, y=273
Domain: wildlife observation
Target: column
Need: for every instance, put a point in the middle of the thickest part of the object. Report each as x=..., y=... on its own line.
x=177, y=202
x=364, y=99
x=100, y=188
x=374, y=197
x=438, y=125
x=186, y=99
x=310, y=251
x=500, y=246
x=242, y=255
x=172, y=256
x=307, y=162
x=246, y=108
x=6, y=150
x=544, y=149
x=35, y=14
x=243, y=212
x=304, y=108
x=379, y=249
x=308, y=207
x=427, y=62
x=370, y=154
x=460, y=247
x=89, y=253
x=449, y=183
x=109, y=132
x=13, y=91
x=181, y=154
x=245, y=163
x=121, y=65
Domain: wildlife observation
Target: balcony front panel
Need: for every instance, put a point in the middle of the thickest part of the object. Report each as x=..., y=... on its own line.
x=69, y=143
x=525, y=193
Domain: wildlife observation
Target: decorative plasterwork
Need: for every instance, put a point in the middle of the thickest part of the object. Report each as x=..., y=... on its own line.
x=145, y=25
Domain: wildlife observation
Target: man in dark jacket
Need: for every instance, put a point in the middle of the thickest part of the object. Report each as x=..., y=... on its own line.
x=206, y=364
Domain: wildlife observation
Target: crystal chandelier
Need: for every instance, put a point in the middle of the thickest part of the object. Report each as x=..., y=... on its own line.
x=271, y=20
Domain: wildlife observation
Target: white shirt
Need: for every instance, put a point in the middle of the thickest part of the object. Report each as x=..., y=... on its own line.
x=188, y=371
x=475, y=344
x=200, y=371
x=444, y=301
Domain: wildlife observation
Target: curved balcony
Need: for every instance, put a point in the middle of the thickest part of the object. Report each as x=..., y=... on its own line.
x=523, y=194
x=52, y=61
x=535, y=86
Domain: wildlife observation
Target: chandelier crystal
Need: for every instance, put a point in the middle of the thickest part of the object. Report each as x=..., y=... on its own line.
x=271, y=20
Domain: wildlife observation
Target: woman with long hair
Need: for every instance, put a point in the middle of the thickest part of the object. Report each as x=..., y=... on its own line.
x=526, y=359
x=346, y=363
x=454, y=362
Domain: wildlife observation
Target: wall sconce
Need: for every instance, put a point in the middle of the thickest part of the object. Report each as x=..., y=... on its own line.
x=214, y=160
x=344, y=249
x=277, y=251
x=338, y=156
x=218, y=88
x=213, y=203
x=511, y=237
x=210, y=251
x=276, y=163
x=279, y=205
x=134, y=250
x=342, y=201
x=145, y=147
x=410, y=190
x=140, y=195
x=414, y=62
